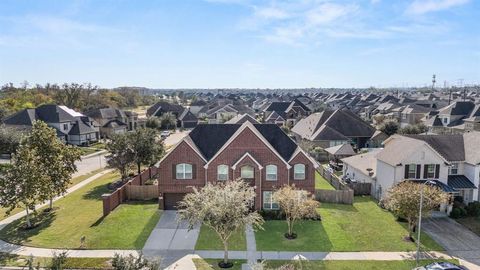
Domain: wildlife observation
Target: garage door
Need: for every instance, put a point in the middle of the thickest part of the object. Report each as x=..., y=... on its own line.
x=170, y=200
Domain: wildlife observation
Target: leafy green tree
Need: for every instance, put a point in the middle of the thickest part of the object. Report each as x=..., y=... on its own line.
x=168, y=120
x=21, y=186
x=9, y=139
x=389, y=127
x=153, y=123
x=121, y=155
x=57, y=160
x=146, y=147
x=225, y=208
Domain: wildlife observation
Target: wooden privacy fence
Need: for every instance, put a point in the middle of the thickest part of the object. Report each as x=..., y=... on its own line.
x=142, y=193
x=334, y=196
x=360, y=189
x=121, y=194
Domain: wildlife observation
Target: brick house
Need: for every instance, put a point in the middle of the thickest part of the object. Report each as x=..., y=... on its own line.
x=261, y=154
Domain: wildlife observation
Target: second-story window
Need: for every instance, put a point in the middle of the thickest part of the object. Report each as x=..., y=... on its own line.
x=271, y=172
x=299, y=172
x=431, y=171
x=65, y=126
x=247, y=172
x=222, y=172
x=453, y=169
x=184, y=171
x=412, y=171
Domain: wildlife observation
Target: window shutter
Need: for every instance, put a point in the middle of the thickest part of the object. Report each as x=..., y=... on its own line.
x=406, y=171
x=419, y=168
x=437, y=171
x=194, y=171
x=425, y=171
x=174, y=171
x=306, y=172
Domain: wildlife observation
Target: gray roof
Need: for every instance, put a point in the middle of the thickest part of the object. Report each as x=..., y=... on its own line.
x=451, y=147
x=460, y=182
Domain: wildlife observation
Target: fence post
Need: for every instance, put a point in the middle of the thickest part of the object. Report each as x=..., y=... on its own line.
x=106, y=204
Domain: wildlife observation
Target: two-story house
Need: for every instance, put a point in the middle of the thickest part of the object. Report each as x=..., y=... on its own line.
x=261, y=154
x=286, y=113
x=114, y=121
x=72, y=127
x=450, y=160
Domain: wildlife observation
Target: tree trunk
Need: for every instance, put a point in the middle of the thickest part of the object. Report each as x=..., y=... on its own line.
x=289, y=222
x=138, y=166
x=27, y=218
x=225, y=252
x=50, y=206
x=411, y=225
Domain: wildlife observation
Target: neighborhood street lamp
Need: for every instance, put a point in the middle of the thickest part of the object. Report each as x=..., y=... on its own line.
x=420, y=218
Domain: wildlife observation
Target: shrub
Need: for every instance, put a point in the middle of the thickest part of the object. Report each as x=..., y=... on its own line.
x=58, y=261
x=131, y=262
x=473, y=209
x=272, y=214
x=458, y=213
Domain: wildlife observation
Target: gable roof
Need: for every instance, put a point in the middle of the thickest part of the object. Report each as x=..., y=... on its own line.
x=345, y=149
x=209, y=145
x=332, y=125
x=242, y=118
x=458, y=108
x=163, y=107
x=451, y=147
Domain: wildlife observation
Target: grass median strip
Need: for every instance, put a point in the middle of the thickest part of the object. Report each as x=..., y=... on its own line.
x=322, y=183
x=79, y=215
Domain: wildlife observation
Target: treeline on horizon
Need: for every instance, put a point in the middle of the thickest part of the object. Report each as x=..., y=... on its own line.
x=81, y=97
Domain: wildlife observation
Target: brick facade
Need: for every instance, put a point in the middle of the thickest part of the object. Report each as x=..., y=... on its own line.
x=260, y=155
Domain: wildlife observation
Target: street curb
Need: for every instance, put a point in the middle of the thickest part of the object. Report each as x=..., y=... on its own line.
x=95, y=154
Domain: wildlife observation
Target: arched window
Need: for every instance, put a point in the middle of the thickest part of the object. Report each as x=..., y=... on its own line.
x=271, y=171
x=247, y=172
x=222, y=172
x=184, y=171
x=299, y=172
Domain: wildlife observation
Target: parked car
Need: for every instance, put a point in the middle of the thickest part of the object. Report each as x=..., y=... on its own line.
x=165, y=134
x=441, y=266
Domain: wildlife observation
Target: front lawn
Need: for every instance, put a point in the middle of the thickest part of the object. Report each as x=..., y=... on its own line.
x=472, y=223
x=363, y=226
x=349, y=265
x=79, y=214
x=208, y=240
x=322, y=183
x=74, y=181
x=212, y=264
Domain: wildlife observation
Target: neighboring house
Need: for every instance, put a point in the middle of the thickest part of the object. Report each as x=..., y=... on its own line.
x=242, y=118
x=330, y=128
x=450, y=119
x=261, y=154
x=223, y=113
x=114, y=121
x=72, y=127
x=196, y=106
x=412, y=114
x=185, y=118
x=286, y=113
x=362, y=167
x=452, y=161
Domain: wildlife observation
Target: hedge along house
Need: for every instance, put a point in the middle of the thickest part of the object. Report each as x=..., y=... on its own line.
x=261, y=154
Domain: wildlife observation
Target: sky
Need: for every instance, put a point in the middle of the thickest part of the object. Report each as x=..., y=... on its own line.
x=240, y=43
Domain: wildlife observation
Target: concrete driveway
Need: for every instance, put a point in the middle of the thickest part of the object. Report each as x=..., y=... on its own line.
x=456, y=239
x=171, y=240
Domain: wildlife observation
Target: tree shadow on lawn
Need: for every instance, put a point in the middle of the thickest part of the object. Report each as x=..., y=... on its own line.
x=340, y=207
x=17, y=233
x=96, y=192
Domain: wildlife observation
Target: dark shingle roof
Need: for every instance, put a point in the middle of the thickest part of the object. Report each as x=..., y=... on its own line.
x=21, y=118
x=81, y=128
x=278, y=107
x=53, y=114
x=451, y=147
x=163, y=107
x=460, y=182
x=209, y=138
x=458, y=108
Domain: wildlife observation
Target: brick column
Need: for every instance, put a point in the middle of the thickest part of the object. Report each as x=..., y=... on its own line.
x=106, y=204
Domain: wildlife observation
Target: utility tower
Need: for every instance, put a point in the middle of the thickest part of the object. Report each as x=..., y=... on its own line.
x=434, y=80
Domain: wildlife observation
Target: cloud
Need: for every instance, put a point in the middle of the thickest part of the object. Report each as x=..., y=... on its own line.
x=271, y=13
x=419, y=7
x=328, y=12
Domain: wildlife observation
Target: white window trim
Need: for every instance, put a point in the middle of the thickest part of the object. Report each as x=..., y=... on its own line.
x=415, y=171
x=295, y=173
x=267, y=174
x=183, y=175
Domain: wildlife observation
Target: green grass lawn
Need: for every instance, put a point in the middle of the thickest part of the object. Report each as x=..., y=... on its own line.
x=75, y=263
x=212, y=264
x=349, y=265
x=75, y=180
x=208, y=240
x=322, y=183
x=472, y=223
x=80, y=215
x=362, y=226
